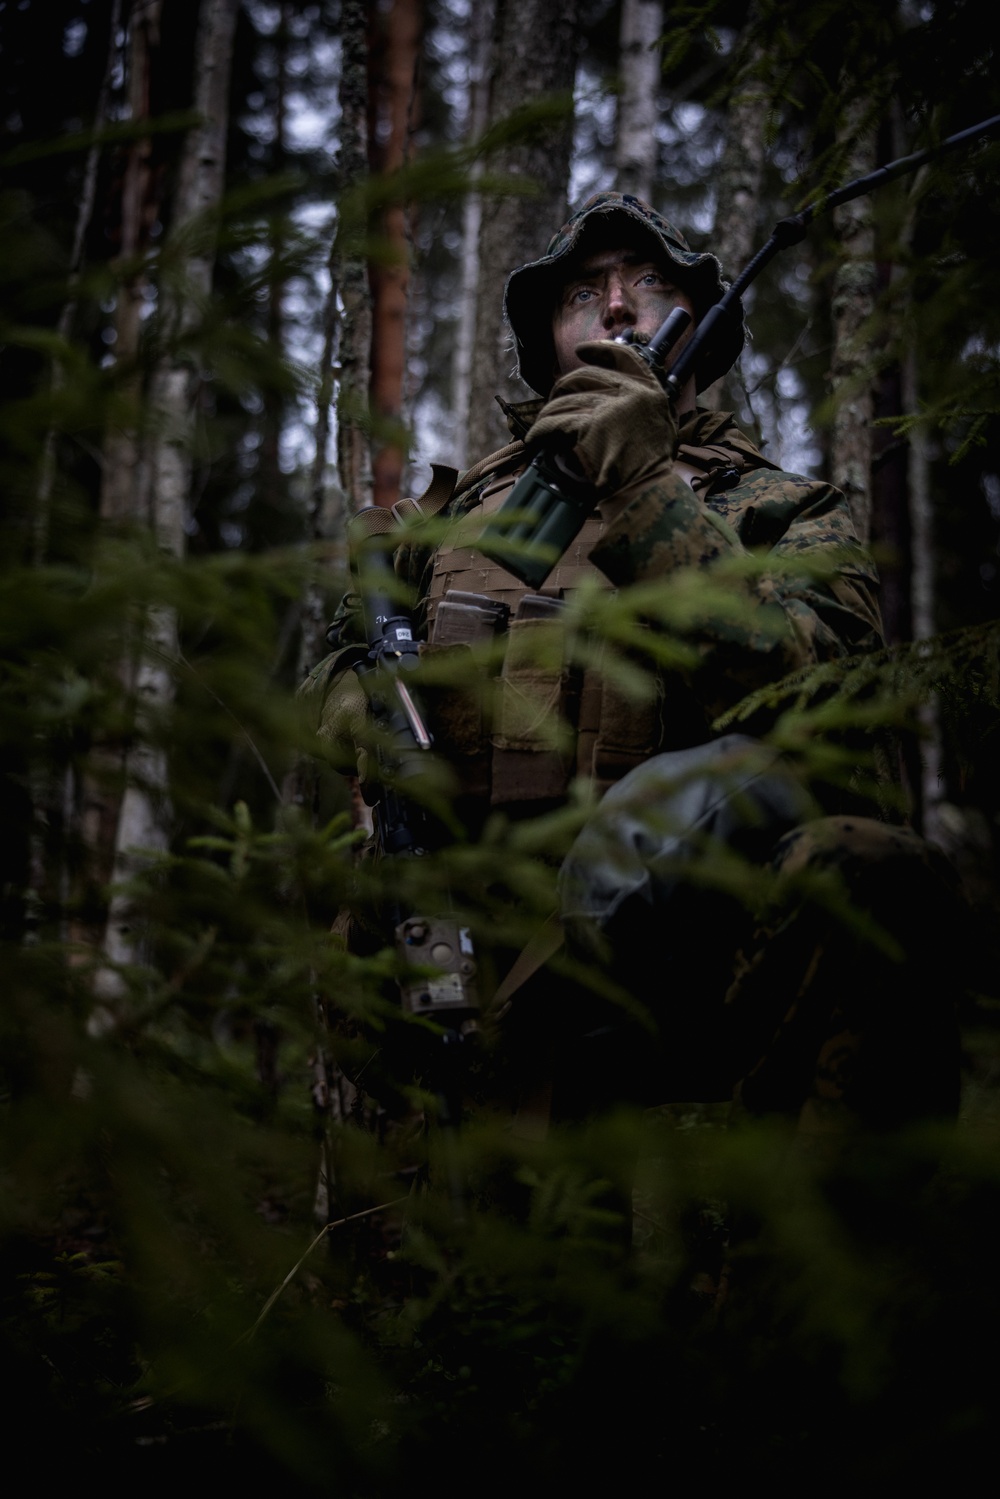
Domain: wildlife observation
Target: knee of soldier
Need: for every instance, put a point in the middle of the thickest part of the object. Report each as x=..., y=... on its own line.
x=857, y=867
x=858, y=848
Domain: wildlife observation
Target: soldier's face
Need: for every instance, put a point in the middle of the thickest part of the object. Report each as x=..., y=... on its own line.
x=607, y=292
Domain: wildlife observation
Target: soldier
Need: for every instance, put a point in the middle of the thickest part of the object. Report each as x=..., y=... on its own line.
x=785, y=1006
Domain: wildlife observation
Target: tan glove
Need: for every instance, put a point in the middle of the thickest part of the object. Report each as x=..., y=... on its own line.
x=614, y=415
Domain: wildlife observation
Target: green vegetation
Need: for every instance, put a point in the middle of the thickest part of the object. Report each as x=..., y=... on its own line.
x=188, y=1295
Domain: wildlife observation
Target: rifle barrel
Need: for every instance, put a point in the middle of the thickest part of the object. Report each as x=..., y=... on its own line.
x=792, y=230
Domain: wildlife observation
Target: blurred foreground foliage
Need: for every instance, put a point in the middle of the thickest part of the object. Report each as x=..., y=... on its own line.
x=159, y=1174
x=156, y=1198
x=160, y=1167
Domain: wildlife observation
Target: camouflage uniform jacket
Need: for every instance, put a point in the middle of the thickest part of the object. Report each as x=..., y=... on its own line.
x=798, y=590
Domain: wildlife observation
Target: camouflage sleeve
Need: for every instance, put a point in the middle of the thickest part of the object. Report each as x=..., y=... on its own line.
x=791, y=619
x=336, y=709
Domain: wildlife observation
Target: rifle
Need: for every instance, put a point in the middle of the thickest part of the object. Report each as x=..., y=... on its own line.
x=438, y=969
x=546, y=509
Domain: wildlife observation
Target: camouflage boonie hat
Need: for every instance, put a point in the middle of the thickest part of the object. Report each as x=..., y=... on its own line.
x=529, y=296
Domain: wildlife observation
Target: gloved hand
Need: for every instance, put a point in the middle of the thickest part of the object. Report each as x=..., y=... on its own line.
x=613, y=414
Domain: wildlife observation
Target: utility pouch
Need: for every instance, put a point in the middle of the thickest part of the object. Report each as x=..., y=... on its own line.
x=532, y=738
x=616, y=732
x=463, y=618
x=459, y=712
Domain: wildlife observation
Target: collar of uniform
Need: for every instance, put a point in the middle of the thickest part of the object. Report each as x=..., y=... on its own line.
x=704, y=429
x=520, y=415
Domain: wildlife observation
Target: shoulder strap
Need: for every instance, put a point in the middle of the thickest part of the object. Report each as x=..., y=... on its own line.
x=537, y=951
x=434, y=498
x=508, y=457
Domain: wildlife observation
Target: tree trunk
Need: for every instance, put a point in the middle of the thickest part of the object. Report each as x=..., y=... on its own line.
x=930, y=790
x=902, y=527
x=346, y=367
x=893, y=463
x=534, y=56
x=391, y=99
x=124, y=484
x=739, y=182
x=353, y=442
x=853, y=305
x=53, y=784
x=190, y=258
x=124, y=493
x=85, y=212
x=480, y=32
x=143, y=820
x=270, y=480
x=636, y=143
x=891, y=509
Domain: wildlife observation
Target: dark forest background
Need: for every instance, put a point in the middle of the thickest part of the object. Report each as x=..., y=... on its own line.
x=250, y=280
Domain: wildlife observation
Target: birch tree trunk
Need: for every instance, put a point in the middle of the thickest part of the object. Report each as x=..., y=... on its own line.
x=922, y=584
x=480, y=32
x=143, y=820
x=124, y=494
x=533, y=56
x=270, y=478
x=635, y=143
x=185, y=297
x=853, y=304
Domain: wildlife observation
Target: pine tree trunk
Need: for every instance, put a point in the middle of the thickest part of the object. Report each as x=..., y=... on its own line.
x=902, y=528
x=347, y=338
x=392, y=95
x=353, y=444
x=534, y=56
x=636, y=144
x=891, y=508
x=893, y=456
x=738, y=182
x=124, y=485
x=84, y=214
x=53, y=785
x=346, y=367
x=853, y=304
